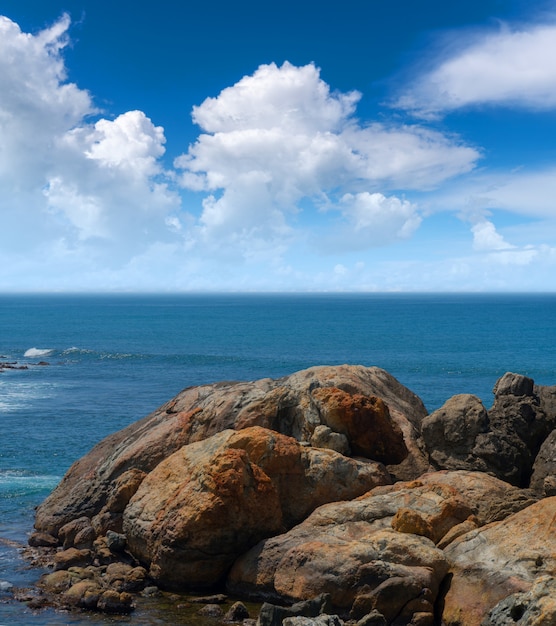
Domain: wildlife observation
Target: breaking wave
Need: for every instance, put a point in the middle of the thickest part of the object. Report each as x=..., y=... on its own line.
x=34, y=353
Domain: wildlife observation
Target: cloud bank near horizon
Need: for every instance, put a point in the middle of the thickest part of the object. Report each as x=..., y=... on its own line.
x=282, y=189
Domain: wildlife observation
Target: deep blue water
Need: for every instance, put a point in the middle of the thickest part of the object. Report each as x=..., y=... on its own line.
x=113, y=359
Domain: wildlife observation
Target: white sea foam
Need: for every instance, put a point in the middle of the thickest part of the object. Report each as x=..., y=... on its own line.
x=17, y=481
x=34, y=353
x=5, y=585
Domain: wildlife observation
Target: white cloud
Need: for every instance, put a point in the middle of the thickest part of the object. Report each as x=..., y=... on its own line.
x=281, y=136
x=370, y=220
x=485, y=237
x=65, y=180
x=511, y=67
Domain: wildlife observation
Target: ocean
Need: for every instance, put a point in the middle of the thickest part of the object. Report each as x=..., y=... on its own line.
x=113, y=359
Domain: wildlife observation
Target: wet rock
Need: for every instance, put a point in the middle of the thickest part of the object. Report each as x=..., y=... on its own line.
x=320, y=620
x=211, y=610
x=84, y=594
x=42, y=540
x=111, y=601
x=274, y=615
x=237, y=613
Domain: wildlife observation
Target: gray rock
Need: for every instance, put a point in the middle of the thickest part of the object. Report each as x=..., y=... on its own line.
x=537, y=607
x=325, y=437
x=514, y=385
x=115, y=541
x=321, y=620
x=503, y=441
x=274, y=615
x=543, y=479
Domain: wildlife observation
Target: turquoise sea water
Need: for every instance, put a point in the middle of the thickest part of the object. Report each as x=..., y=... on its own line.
x=114, y=359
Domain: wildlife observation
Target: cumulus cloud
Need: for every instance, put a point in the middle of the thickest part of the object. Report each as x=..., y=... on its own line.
x=281, y=136
x=66, y=178
x=486, y=237
x=370, y=220
x=510, y=67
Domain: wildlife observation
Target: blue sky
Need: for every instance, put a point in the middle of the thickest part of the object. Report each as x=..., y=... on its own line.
x=248, y=146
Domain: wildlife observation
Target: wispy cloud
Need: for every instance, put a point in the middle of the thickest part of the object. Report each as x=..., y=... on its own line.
x=512, y=66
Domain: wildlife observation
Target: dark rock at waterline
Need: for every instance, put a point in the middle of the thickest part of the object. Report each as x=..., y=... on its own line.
x=281, y=490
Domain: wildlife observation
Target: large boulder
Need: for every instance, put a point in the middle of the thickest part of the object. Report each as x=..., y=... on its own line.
x=543, y=479
x=376, y=552
x=212, y=500
x=503, y=441
x=367, y=406
x=499, y=560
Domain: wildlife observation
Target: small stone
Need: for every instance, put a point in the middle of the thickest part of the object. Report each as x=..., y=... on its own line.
x=116, y=542
x=211, y=610
x=72, y=557
x=237, y=613
x=113, y=602
x=42, y=540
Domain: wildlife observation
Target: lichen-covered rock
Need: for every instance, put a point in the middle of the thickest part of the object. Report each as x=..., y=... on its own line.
x=351, y=551
x=498, y=560
x=490, y=498
x=212, y=500
x=353, y=401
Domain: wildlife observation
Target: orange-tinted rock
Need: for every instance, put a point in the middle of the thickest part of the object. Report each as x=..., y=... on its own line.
x=100, y=485
x=212, y=500
x=498, y=560
x=352, y=551
x=365, y=421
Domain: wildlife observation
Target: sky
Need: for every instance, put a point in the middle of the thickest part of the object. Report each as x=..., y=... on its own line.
x=361, y=146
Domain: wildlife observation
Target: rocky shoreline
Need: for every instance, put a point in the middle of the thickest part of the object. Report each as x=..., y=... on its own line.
x=330, y=495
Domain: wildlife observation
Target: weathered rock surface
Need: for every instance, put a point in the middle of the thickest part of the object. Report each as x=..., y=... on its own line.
x=212, y=500
x=543, y=479
x=374, y=552
x=536, y=607
x=503, y=441
x=498, y=560
x=333, y=481
x=379, y=417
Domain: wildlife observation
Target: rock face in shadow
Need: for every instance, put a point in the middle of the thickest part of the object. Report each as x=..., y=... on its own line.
x=503, y=441
x=330, y=483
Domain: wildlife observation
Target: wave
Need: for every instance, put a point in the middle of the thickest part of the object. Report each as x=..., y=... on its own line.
x=14, y=482
x=34, y=353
